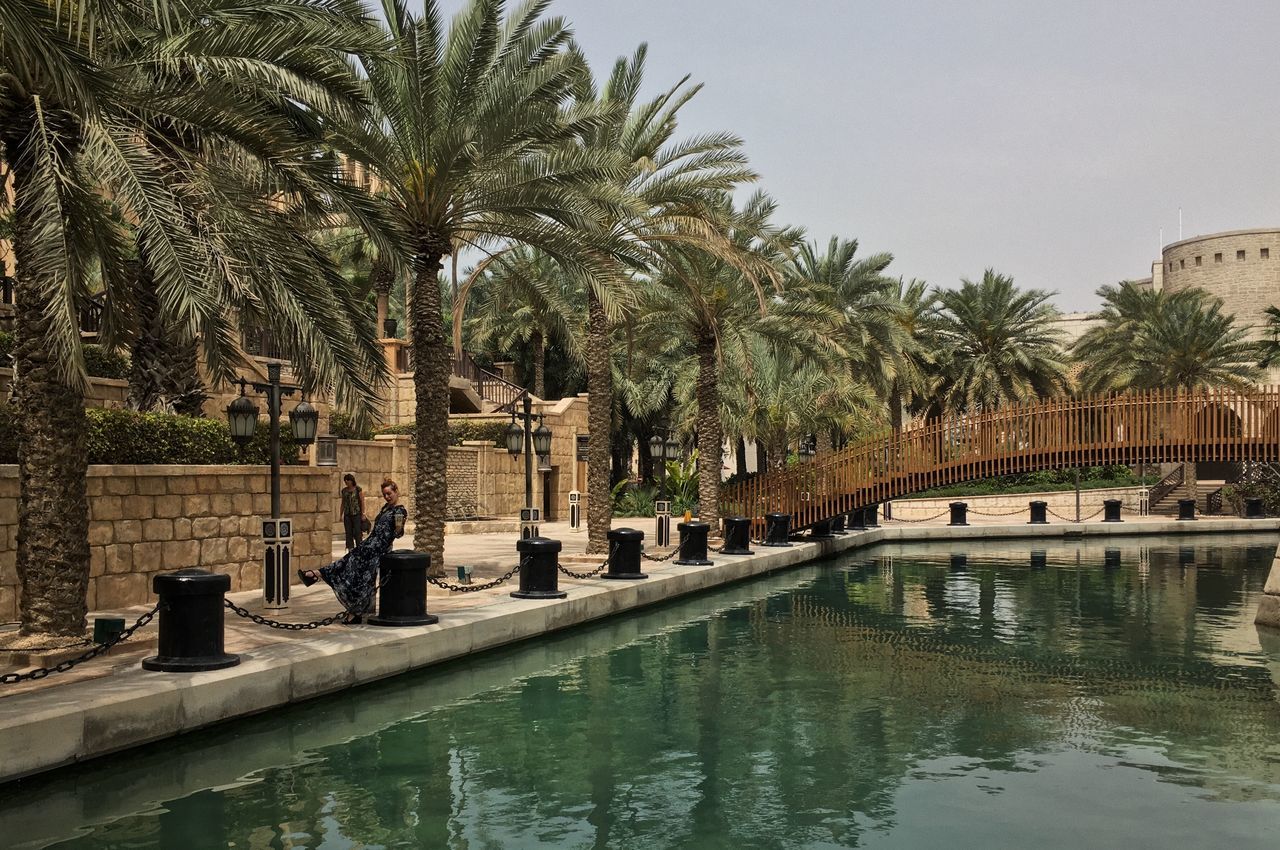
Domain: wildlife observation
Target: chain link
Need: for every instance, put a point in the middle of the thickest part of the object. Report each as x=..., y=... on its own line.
x=658, y=560
x=1014, y=512
x=612, y=550
x=472, y=588
x=914, y=521
x=98, y=649
x=276, y=624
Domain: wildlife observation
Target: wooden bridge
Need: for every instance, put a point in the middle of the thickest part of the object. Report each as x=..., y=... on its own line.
x=1146, y=427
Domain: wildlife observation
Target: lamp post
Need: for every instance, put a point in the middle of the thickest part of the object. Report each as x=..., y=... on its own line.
x=807, y=448
x=661, y=451
x=525, y=440
x=277, y=531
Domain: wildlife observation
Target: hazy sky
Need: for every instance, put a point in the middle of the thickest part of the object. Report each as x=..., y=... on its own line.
x=1050, y=141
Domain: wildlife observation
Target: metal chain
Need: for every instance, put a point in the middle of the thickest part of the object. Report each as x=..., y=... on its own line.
x=1057, y=515
x=472, y=588
x=1014, y=512
x=571, y=574
x=98, y=649
x=659, y=560
x=924, y=519
x=276, y=624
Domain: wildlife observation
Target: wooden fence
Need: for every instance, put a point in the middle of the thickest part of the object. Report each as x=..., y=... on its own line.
x=1159, y=426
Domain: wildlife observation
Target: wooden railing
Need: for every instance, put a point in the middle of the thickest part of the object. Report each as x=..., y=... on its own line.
x=493, y=387
x=1165, y=486
x=1146, y=427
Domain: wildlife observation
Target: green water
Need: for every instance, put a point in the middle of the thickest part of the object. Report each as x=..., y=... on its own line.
x=887, y=699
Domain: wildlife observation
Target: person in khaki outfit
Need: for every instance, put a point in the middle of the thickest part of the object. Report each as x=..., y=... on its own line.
x=353, y=517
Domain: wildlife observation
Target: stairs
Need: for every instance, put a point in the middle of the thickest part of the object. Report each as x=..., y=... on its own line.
x=1203, y=492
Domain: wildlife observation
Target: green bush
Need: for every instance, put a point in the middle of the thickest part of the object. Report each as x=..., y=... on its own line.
x=1042, y=481
x=489, y=430
x=102, y=362
x=633, y=500
x=129, y=437
x=344, y=427
x=99, y=362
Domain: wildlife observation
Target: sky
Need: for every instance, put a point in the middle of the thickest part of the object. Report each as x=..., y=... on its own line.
x=1049, y=141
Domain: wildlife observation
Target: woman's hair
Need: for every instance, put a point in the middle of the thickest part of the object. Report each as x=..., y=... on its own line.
x=351, y=478
x=387, y=482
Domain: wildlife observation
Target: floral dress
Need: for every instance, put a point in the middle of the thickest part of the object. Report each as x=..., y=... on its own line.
x=354, y=576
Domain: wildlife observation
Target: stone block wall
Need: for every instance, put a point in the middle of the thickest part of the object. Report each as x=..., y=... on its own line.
x=1062, y=502
x=463, y=468
x=109, y=393
x=149, y=519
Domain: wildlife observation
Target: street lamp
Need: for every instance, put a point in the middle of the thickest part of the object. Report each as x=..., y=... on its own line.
x=656, y=456
x=526, y=441
x=808, y=447
x=277, y=532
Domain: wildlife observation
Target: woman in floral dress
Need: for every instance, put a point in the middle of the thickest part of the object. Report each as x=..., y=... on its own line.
x=354, y=576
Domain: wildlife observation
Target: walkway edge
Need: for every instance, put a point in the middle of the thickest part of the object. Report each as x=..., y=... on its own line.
x=63, y=725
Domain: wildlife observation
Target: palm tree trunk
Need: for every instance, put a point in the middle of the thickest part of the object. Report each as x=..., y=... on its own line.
x=599, y=425
x=432, y=368
x=53, y=507
x=897, y=410
x=539, y=344
x=147, y=350
x=710, y=433
x=741, y=461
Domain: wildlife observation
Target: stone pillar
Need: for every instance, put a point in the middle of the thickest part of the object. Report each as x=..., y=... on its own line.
x=1269, y=604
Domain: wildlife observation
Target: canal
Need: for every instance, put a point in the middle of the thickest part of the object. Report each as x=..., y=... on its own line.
x=954, y=694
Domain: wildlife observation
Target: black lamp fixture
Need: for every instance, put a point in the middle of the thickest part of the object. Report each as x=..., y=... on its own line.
x=808, y=447
x=656, y=447
x=542, y=439
x=515, y=437
x=304, y=419
x=242, y=417
x=672, y=450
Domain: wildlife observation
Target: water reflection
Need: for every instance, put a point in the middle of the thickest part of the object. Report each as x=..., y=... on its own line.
x=903, y=697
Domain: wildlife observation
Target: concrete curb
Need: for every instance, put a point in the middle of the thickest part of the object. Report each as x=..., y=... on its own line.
x=63, y=725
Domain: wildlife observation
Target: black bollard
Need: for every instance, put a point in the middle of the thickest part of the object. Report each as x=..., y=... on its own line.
x=1253, y=509
x=821, y=530
x=959, y=513
x=871, y=516
x=1039, y=560
x=191, y=627
x=539, y=570
x=1111, y=510
x=857, y=520
x=959, y=562
x=402, y=590
x=1186, y=509
x=624, y=560
x=1111, y=559
x=837, y=525
x=737, y=536
x=1039, y=513
x=777, y=528
x=693, y=544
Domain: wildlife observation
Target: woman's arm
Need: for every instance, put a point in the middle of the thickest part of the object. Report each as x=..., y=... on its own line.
x=360, y=493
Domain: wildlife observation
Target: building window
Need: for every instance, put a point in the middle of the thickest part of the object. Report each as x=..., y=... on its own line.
x=1198, y=261
x=1217, y=258
x=1265, y=253
x=1239, y=255
x=1182, y=264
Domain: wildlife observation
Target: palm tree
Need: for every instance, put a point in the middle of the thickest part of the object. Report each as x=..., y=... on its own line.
x=524, y=299
x=475, y=147
x=1108, y=352
x=911, y=385
x=667, y=184
x=1149, y=340
x=999, y=345
x=79, y=98
x=1190, y=343
x=714, y=306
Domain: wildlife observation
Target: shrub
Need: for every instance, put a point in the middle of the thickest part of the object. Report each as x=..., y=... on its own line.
x=102, y=362
x=633, y=500
x=489, y=430
x=344, y=427
x=129, y=437
x=99, y=362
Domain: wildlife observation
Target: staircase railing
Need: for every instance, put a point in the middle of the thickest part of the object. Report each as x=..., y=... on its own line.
x=1166, y=485
x=1213, y=502
x=493, y=387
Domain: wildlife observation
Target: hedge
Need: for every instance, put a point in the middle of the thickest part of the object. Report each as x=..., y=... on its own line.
x=99, y=362
x=344, y=427
x=489, y=430
x=129, y=437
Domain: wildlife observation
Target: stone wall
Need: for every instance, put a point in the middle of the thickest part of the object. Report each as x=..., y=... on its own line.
x=1061, y=502
x=1241, y=267
x=109, y=393
x=149, y=519
x=371, y=461
x=463, y=470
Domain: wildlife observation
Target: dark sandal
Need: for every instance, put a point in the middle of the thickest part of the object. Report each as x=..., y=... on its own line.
x=308, y=577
